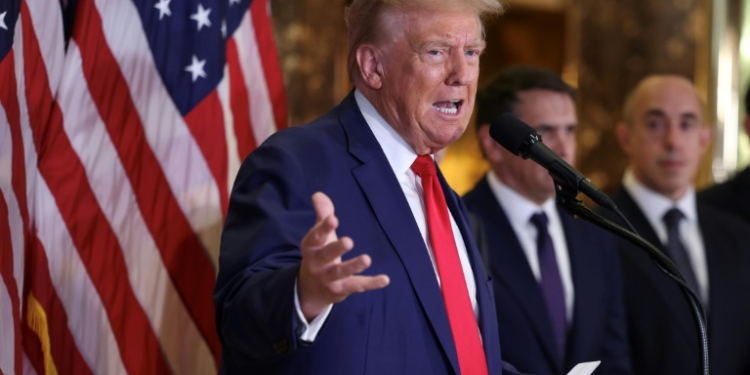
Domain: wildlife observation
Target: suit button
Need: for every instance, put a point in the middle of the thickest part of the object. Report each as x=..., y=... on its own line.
x=281, y=347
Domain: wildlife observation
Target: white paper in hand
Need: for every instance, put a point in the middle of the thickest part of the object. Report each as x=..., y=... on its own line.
x=585, y=368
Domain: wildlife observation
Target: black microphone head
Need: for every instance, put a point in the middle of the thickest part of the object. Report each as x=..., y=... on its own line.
x=511, y=133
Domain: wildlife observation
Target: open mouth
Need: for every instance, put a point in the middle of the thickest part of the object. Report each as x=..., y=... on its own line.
x=450, y=107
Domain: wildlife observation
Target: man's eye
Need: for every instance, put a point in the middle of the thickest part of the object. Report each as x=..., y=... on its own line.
x=655, y=124
x=433, y=52
x=687, y=125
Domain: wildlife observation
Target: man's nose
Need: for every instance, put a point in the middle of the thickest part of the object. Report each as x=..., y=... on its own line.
x=461, y=73
x=674, y=135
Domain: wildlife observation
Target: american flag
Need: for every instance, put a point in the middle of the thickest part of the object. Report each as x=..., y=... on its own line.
x=118, y=148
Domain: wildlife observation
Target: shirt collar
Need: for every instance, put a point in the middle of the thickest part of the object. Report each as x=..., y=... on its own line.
x=655, y=205
x=399, y=154
x=517, y=207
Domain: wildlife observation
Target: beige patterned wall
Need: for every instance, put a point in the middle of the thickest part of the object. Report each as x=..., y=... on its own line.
x=620, y=42
x=311, y=39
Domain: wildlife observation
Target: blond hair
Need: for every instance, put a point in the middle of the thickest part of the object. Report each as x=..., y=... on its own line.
x=363, y=18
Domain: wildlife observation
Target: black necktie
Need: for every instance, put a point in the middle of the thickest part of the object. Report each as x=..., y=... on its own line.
x=676, y=251
x=551, y=282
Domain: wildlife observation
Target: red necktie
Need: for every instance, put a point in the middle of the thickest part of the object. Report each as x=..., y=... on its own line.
x=471, y=359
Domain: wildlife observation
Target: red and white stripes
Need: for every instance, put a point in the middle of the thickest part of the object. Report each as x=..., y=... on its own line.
x=111, y=202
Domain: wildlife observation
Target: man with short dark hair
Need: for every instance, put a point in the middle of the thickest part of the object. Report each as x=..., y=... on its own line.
x=664, y=135
x=733, y=196
x=557, y=289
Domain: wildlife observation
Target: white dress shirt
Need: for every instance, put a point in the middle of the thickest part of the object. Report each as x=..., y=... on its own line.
x=519, y=211
x=400, y=157
x=655, y=206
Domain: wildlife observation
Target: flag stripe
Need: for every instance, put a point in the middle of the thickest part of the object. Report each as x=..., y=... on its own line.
x=12, y=175
x=47, y=24
x=202, y=122
x=262, y=111
x=232, y=153
x=65, y=351
x=10, y=344
x=27, y=367
x=240, y=102
x=17, y=167
x=87, y=318
x=180, y=248
x=87, y=225
x=118, y=202
x=271, y=67
x=181, y=160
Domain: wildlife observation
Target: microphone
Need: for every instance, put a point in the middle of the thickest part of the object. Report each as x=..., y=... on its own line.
x=522, y=140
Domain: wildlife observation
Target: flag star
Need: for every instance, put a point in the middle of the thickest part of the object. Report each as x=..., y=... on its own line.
x=163, y=6
x=196, y=68
x=2, y=20
x=233, y=2
x=224, y=28
x=201, y=16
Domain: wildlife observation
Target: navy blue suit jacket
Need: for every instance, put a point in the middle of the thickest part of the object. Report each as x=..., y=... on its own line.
x=598, y=330
x=732, y=196
x=663, y=336
x=401, y=329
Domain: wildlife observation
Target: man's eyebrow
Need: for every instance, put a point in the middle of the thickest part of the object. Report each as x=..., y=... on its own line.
x=689, y=116
x=660, y=113
x=655, y=112
x=549, y=127
x=481, y=44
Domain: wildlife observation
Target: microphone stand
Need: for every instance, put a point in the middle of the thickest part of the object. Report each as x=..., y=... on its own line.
x=566, y=197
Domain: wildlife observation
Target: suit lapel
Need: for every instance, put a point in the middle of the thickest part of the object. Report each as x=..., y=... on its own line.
x=662, y=283
x=375, y=178
x=510, y=266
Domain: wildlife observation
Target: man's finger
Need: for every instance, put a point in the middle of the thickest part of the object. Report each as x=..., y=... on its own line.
x=359, y=284
x=334, y=250
x=322, y=233
x=323, y=206
x=343, y=270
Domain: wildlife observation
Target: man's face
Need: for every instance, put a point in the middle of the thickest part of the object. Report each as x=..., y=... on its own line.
x=430, y=66
x=666, y=137
x=553, y=115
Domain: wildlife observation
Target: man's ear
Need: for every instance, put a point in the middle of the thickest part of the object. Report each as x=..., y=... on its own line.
x=370, y=66
x=622, y=132
x=492, y=150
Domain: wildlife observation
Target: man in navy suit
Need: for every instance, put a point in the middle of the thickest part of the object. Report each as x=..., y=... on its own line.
x=733, y=196
x=365, y=289
x=586, y=322
x=664, y=135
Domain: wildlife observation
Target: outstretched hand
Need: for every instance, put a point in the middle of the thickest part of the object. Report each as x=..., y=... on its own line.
x=323, y=278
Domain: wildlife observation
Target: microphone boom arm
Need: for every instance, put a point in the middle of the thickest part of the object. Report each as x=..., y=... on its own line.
x=566, y=197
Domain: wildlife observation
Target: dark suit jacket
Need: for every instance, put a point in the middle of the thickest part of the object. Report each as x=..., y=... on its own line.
x=732, y=196
x=401, y=329
x=598, y=329
x=663, y=336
